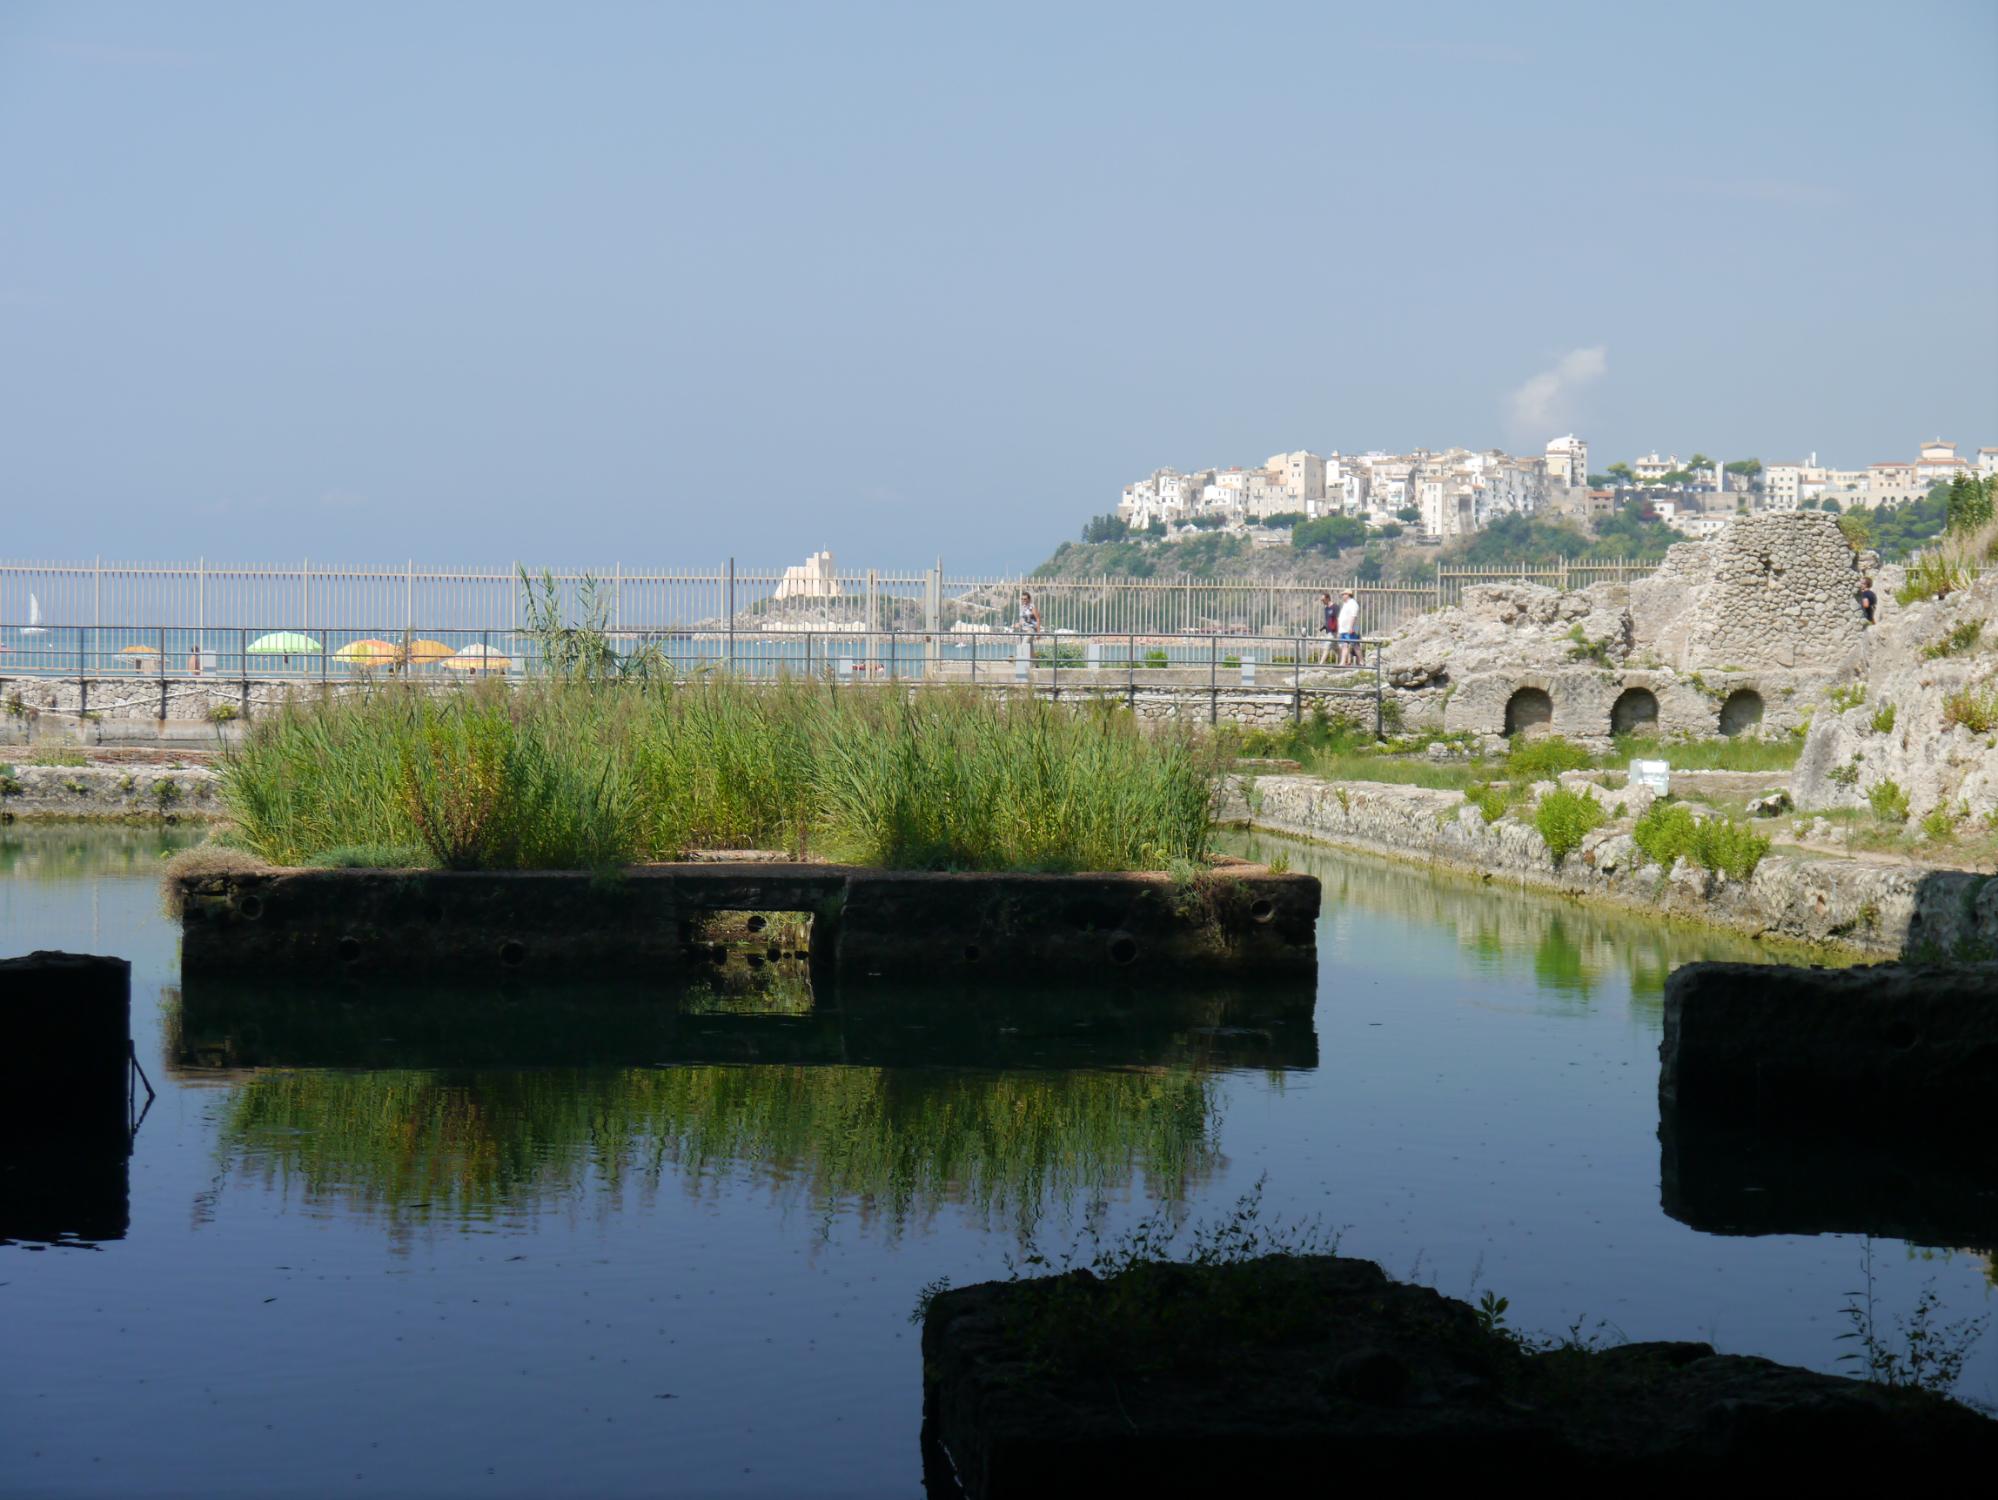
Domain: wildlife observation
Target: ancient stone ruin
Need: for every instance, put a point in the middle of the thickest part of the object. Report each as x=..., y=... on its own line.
x=1735, y=635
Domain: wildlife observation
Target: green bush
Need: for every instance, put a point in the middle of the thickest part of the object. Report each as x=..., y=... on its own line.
x=1883, y=721
x=372, y=857
x=1564, y=817
x=1492, y=798
x=223, y=713
x=1931, y=576
x=1543, y=758
x=1939, y=824
x=1975, y=710
x=1669, y=831
x=1889, y=801
x=1962, y=638
x=1847, y=696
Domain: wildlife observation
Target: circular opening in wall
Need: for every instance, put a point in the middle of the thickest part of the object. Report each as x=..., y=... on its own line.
x=1263, y=910
x=1741, y=712
x=1900, y=1035
x=971, y=953
x=350, y=949
x=1529, y=712
x=1634, y=712
x=1123, y=950
x=757, y=923
x=251, y=907
x=512, y=953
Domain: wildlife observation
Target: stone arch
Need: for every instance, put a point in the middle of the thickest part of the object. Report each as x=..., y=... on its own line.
x=1634, y=712
x=1741, y=712
x=1529, y=711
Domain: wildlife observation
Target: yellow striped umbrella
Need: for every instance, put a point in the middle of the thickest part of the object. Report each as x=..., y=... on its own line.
x=423, y=653
x=368, y=653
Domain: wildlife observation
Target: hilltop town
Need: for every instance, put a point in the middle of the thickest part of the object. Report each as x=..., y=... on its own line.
x=1391, y=510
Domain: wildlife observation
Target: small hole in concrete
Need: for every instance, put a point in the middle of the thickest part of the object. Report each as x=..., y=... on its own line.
x=512, y=952
x=1901, y=1035
x=251, y=907
x=756, y=922
x=350, y=949
x=1263, y=910
x=1122, y=950
x=971, y=953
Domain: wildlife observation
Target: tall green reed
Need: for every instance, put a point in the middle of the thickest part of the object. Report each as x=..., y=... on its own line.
x=571, y=775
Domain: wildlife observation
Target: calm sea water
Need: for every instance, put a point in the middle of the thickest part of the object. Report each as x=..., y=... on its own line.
x=372, y=1254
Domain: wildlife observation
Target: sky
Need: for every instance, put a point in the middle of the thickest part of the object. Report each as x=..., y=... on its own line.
x=664, y=284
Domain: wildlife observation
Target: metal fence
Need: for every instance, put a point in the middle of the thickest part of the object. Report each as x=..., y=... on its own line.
x=322, y=599
x=119, y=667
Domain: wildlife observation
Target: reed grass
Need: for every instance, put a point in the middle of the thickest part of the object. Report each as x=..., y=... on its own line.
x=580, y=775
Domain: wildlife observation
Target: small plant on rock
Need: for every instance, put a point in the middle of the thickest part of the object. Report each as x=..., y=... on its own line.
x=223, y=713
x=1975, y=709
x=1883, y=721
x=1940, y=824
x=1564, y=818
x=1847, y=775
x=1847, y=696
x=1889, y=801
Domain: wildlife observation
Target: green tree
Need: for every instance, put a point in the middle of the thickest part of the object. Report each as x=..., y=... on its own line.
x=1328, y=535
x=1748, y=466
x=1969, y=503
x=1388, y=530
x=1621, y=472
x=1106, y=528
x=1601, y=481
x=1408, y=513
x=1699, y=461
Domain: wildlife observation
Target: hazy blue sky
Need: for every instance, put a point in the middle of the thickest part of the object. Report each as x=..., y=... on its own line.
x=661, y=283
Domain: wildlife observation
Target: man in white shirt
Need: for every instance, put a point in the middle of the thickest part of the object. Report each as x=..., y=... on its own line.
x=1349, y=631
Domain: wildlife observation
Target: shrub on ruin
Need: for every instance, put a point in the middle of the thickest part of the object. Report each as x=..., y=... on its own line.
x=1543, y=758
x=1889, y=801
x=1963, y=637
x=1973, y=708
x=1883, y=721
x=1669, y=831
x=1564, y=817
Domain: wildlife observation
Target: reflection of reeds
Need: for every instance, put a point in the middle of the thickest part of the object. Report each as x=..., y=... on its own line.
x=416, y=1145
x=575, y=775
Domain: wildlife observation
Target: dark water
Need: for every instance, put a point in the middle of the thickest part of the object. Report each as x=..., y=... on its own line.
x=369, y=1252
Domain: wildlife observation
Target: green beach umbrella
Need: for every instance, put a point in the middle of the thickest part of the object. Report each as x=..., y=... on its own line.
x=282, y=643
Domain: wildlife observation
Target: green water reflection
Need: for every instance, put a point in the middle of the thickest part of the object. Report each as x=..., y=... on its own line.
x=1572, y=950
x=881, y=1144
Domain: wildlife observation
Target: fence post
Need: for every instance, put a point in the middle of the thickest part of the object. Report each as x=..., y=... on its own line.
x=1131, y=672
x=729, y=658
x=1297, y=683
x=1379, y=651
x=1213, y=682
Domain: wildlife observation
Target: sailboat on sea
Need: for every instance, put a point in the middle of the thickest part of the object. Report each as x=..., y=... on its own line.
x=34, y=626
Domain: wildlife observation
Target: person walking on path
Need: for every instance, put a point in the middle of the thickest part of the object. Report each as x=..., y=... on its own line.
x=1868, y=600
x=1328, y=626
x=1349, y=631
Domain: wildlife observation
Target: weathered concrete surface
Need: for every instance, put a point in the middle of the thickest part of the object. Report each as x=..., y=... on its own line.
x=1731, y=635
x=868, y=924
x=1891, y=1047
x=1939, y=764
x=1880, y=908
x=1322, y=1370
x=243, y=1024
x=64, y=1131
x=97, y=792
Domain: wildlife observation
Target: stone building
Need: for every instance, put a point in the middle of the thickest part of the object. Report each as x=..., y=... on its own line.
x=1733, y=635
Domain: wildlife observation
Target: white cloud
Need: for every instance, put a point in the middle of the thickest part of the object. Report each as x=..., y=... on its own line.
x=1543, y=404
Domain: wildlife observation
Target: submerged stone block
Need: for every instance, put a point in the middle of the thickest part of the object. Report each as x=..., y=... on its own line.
x=1889, y=1049
x=1138, y=927
x=1290, y=1374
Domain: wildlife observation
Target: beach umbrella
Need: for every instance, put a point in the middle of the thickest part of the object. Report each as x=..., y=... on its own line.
x=477, y=658
x=368, y=653
x=422, y=653
x=283, y=643
x=140, y=654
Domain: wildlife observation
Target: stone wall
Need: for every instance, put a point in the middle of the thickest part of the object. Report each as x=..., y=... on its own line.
x=1877, y=908
x=90, y=792
x=1854, y=750
x=1732, y=635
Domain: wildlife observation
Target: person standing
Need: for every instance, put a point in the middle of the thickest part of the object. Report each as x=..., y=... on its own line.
x=1868, y=600
x=1328, y=626
x=1030, y=618
x=1349, y=631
